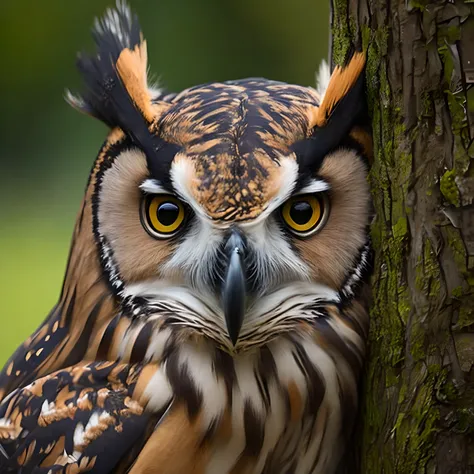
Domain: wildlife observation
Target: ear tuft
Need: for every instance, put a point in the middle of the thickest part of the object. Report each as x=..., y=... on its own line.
x=345, y=84
x=342, y=108
x=116, y=86
x=116, y=78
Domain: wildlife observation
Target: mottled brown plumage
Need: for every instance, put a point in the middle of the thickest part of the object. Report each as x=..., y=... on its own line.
x=229, y=340
x=235, y=134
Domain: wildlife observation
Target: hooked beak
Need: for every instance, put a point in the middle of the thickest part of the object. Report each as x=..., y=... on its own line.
x=234, y=288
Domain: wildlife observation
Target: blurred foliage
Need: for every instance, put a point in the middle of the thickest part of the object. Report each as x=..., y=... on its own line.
x=47, y=149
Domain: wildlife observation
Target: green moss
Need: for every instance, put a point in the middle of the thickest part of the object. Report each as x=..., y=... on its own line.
x=417, y=4
x=461, y=156
x=451, y=33
x=427, y=107
x=457, y=110
x=416, y=425
x=341, y=32
x=465, y=318
x=446, y=391
x=404, y=304
x=449, y=189
x=400, y=229
x=457, y=247
x=401, y=408
x=366, y=34
x=457, y=292
x=428, y=274
x=464, y=420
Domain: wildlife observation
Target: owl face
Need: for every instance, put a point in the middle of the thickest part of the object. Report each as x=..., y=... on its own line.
x=225, y=201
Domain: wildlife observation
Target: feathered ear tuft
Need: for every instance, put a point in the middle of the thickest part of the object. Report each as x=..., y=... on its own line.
x=116, y=78
x=343, y=107
x=116, y=87
x=345, y=85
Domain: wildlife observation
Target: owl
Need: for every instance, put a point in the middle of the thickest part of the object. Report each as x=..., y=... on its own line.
x=213, y=316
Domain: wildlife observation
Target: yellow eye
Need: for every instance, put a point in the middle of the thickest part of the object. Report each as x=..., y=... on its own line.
x=306, y=214
x=162, y=215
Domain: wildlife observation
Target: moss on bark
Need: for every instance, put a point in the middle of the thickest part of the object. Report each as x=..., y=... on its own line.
x=418, y=406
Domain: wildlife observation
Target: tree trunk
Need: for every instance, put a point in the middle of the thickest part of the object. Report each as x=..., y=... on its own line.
x=418, y=402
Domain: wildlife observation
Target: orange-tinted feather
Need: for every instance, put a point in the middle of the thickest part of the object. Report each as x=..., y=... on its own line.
x=132, y=69
x=342, y=80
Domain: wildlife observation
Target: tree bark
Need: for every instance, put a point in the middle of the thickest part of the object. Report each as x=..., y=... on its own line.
x=418, y=403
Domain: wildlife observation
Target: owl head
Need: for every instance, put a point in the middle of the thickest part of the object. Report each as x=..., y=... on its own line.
x=233, y=209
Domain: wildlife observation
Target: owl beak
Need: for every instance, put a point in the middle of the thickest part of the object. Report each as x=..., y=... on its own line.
x=234, y=288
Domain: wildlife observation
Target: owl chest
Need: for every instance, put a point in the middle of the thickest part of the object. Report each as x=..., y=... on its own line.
x=275, y=409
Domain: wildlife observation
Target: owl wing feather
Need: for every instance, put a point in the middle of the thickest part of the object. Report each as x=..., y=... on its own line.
x=91, y=417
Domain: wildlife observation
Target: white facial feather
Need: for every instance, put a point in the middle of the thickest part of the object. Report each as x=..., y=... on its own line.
x=278, y=310
x=315, y=186
x=195, y=256
x=152, y=186
x=275, y=260
x=181, y=174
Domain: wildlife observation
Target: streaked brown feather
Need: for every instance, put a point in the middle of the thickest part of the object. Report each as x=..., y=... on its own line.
x=175, y=446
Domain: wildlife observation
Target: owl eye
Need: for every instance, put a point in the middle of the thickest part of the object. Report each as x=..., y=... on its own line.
x=162, y=215
x=306, y=214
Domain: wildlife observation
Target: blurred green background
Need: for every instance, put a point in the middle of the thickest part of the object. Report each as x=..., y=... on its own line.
x=47, y=149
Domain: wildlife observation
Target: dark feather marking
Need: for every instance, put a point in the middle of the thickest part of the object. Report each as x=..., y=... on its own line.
x=183, y=385
x=81, y=345
x=265, y=372
x=339, y=347
x=81, y=215
x=318, y=455
x=141, y=343
x=70, y=308
x=315, y=384
x=111, y=152
x=68, y=266
x=107, y=338
x=262, y=385
x=254, y=431
x=224, y=367
x=355, y=324
x=170, y=346
x=210, y=432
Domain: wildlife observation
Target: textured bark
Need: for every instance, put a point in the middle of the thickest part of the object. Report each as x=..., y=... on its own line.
x=418, y=402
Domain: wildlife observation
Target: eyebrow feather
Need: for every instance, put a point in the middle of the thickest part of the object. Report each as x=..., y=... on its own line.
x=317, y=185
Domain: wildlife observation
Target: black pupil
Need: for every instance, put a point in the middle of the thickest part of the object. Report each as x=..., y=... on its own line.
x=301, y=212
x=167, y=213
